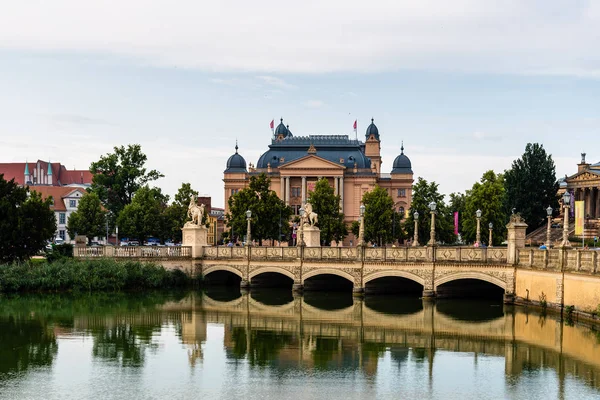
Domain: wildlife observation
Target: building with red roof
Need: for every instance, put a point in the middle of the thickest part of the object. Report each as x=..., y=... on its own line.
x=45, y=173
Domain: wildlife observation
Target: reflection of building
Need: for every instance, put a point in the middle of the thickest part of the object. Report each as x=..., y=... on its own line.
x=585, y=186
x=352, y=168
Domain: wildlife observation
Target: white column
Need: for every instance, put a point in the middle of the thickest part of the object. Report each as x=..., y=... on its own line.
x=287, y=190
x=282, y=190
x=342, y=194
x=303, y=190
x=335, y=184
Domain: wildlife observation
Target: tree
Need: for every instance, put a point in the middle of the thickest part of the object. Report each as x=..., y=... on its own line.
x=26, y=221
x=423, y=194
x=89, y=219
x=487, y=196
x=176, y=213
x=327, y=205
x=379, y=216
x=118, y=175
x=268, y=211
x=144, y=217
x=531, y=185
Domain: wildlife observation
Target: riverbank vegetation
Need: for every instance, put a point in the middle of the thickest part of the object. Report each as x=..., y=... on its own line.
x=68, y=274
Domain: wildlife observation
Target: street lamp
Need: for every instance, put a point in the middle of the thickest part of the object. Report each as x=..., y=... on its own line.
x=248, y=237
x=361, y=230
x=478, y=236
x=416, y=238
x=300, y=240
x=549, y=212
x=566, y=205
x=491, y=226
x=432, y=206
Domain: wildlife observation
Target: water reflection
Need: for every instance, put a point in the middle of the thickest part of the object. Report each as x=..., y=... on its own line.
x=328, y=334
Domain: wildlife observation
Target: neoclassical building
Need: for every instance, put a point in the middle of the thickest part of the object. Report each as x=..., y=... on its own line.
x=585, y=185
x=352, y=167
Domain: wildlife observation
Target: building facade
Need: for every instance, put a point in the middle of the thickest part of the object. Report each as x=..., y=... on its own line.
x=45, y=173
x=352, y=167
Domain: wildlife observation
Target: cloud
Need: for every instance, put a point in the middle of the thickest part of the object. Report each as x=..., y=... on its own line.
x=314, y=103
x=524, y=37
x=276, y=82
x=482, y=136
x=74, y=119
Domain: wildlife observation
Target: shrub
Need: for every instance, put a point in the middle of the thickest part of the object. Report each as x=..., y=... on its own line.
x=543, y=301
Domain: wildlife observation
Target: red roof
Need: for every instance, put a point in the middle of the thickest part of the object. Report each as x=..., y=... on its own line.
x=57, y=193
x=61, y=175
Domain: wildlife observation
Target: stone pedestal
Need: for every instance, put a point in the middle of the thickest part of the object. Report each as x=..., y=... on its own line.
x=516, y=238
x=196, y=237
x=312, y=236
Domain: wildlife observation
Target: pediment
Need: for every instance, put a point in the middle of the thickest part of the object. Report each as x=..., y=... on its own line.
x=311, y=162
x=584, y=176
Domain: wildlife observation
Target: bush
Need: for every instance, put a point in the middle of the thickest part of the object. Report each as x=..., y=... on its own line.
x=69, y=274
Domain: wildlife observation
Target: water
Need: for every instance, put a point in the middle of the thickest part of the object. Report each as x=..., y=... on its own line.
x=270, y=345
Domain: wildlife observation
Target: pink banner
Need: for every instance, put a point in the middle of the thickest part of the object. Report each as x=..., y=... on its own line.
x=456, y=222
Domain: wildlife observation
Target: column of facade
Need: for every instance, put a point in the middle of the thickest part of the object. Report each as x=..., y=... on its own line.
x=282, y=190
x=287, y=190
x=335, y=185
x=341, y=194
x=598, y=202
x=303, y=190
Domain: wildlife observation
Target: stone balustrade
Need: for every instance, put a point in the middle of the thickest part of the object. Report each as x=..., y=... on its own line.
x=134, y=252
x=568, y=260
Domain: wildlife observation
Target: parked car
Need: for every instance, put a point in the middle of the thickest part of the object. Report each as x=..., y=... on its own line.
x=133, y=243
x=556, y=225
x=152, y=242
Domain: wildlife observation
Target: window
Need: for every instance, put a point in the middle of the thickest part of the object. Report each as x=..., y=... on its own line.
x=296, y=209
x=61, y=234
x=401, y=211
x=72, y=203
x=401, y=192
x=234, y=191
x=296, y=192
x=61, y=218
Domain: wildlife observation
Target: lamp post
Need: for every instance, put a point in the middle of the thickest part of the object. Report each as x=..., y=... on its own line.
x=549, y=212
x=248, y=236
x=566, y=205
x=478, y=236
x=300, y=240
x=432, y=206
x=361, y=229
x=416, y=238
x=491, y=226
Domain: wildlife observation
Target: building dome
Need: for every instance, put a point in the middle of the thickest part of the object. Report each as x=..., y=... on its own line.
x=282, y=130
x=372, y=130
x=402, y=163
x=236, y=162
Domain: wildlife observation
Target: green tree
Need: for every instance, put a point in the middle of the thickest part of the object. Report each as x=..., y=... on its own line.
x=327, y=205
x=488, y=195
x=176, y=213
x=89, y=219
x=26, y=221
x=144, y=217
x=424, y=193
x=531, y=185
x=268, y=211
x=379, y=216
x=118, y=175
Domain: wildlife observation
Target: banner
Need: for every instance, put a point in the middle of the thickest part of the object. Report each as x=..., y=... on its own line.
x=579, y=215
x=310, y=186
x=456, y=223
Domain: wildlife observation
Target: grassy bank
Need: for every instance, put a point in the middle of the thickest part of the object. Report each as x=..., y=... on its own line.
x=70, y=274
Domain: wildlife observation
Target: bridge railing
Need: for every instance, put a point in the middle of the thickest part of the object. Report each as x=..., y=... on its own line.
x=134, y=252
x=574, y=260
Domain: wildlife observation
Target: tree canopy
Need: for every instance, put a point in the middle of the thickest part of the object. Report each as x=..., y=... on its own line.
x=26, y=221
x=531, y=185
x=327, y=205
x=144, y=216
x=268, y=211
x=89, y=219
x=424, y=193
x=488, y=195
x=117, y=176
x=379, y=216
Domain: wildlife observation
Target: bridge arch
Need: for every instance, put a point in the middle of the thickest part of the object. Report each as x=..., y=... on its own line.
x=470, y=275
x=394, y=273
x=327, y=271
x=216, y=268
x=277, y=270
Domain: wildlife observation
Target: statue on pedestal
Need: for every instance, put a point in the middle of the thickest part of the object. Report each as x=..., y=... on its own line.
x=310, y=218
x=195, y=212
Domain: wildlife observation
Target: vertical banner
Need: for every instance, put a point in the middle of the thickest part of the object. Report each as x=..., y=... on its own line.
x=579, y=211
x=456, y=223
x=310, y=186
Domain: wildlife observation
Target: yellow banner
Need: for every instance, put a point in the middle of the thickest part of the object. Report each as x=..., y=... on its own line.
x=579, y=215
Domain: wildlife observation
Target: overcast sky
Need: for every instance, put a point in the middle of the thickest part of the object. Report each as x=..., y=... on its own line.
x=465, y=83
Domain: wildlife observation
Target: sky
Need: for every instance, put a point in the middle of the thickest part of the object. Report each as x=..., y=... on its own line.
x=466, y=84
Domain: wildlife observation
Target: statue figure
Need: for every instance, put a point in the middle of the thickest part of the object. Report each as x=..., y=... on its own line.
x=196, y=212
x=309, y=218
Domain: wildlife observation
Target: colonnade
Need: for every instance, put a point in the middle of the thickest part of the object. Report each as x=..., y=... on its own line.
x=338, y=183
x=591, y=198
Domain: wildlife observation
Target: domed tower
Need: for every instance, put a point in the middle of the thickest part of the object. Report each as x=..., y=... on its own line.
x=402, y=180
x=235, y=176
x=402, y=163
x=373, y=147
x=282, y=131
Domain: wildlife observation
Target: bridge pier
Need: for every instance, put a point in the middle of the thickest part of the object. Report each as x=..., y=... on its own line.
x=244, y=284
x=428, y=295
x=297, y=287
x=509, y=298
x=358, y=291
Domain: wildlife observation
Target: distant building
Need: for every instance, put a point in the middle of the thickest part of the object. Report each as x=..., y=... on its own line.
x=352, y=167
x=45, y=173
